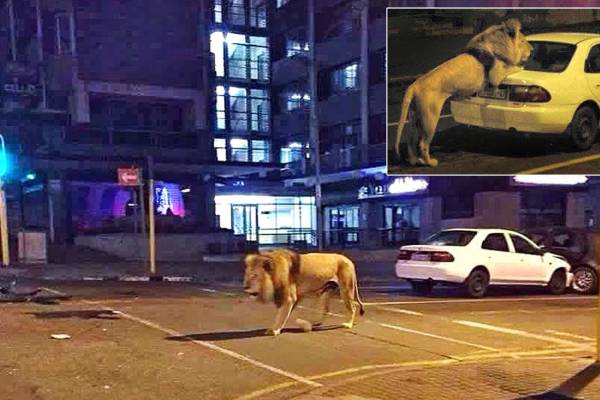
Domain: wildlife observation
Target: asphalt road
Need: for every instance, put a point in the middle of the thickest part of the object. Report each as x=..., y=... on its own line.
x=186, y=341
x=462, y=150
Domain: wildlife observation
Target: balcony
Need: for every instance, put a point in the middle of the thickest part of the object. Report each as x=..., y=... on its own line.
x=362, y=156
x=338, y=50
x=339, y=108
x=130, y=143
x=289, y=69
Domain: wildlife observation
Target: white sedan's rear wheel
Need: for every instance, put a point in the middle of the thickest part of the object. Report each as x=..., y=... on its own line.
x=584, y=128
x=477, y=283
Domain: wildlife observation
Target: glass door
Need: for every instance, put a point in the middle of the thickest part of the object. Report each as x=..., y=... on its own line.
x=244, y=219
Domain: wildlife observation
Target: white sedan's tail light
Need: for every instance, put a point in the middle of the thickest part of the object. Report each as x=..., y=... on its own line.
x=442, y=256
x=404, y=255
x=528, y=94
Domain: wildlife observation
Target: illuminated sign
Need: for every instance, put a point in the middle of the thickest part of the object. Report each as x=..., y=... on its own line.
x=405, y=185
x=567, y=180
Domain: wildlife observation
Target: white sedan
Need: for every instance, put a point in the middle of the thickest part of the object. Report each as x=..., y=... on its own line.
x=477, y=258
x=558, y=92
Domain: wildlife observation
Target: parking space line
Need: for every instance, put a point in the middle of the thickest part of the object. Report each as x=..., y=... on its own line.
x=558, y=165
x=401, y=311
x=260, y=393
x=571, y=335
x=216, y=348
x=53, y=291
x=431, y=335
x=517, y=332
x=487, y=300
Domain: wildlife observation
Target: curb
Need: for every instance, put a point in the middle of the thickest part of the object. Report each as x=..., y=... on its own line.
x=156, y=278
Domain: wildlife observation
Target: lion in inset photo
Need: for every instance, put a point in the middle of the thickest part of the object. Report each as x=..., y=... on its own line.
x=284, y=277
x=491, y=55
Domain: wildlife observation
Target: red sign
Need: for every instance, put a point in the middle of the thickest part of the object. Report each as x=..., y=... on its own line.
x=129, y=176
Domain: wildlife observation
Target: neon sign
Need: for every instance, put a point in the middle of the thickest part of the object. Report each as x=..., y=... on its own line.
x=405, y=185
x=550, y=179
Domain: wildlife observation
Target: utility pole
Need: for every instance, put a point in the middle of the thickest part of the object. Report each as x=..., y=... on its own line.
x=314, y=121
x=13, y=32
x=151, y=227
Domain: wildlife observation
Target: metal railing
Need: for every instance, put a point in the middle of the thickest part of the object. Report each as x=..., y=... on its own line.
x=354, y=157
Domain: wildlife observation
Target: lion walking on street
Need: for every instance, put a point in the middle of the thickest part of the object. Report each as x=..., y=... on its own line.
x=284, y=277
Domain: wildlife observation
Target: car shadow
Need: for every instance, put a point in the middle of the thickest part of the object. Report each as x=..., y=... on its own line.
x=571, y=387
x=233, y=335
x=82, y=314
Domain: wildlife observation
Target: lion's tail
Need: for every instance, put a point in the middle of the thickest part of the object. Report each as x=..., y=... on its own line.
x=408, y=97
x=357, y=294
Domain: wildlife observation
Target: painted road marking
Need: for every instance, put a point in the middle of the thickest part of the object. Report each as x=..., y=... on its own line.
x=487, y=300
x=521, y=311
x=558, y=165
x=431, y=335
x=401, y=311
x=216, y=348
x=566, y=334
x=56, y=292
x=209, y=290
x=517, y=332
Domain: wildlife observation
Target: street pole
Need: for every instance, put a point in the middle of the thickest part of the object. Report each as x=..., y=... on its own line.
x=4, y=227
x=151, y=235
x=314, y=122
x=13, y=33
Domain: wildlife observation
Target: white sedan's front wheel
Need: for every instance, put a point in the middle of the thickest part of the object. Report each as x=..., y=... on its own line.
x=558, y=282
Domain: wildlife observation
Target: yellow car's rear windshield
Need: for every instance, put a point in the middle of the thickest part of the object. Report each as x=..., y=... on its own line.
x=549, y=56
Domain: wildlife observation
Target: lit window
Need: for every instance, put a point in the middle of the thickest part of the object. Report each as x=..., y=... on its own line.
x=236, y=12
x=220, y=107
x=292, y=152
x=258, y=13
x=216, y=47
x=281, y=3
x=345, y=78
x=239, y=149
x=297, y=100
x=248, y=57
x=221, y=149
x=295, y=47
x=218, y=11
x=260, y=151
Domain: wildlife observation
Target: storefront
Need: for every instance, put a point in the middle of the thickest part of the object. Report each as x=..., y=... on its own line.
x=269, y=220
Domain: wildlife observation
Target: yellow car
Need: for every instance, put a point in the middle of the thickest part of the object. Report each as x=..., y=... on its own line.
x=558, y=92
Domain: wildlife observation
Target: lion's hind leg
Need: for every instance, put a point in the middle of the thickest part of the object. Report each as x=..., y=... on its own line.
x=347, y=294
x=429, y=110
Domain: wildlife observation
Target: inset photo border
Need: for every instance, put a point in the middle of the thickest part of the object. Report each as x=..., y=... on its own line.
x=488, y=91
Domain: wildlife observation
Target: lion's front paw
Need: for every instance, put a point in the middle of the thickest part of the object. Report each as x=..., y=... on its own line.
x=272, y=332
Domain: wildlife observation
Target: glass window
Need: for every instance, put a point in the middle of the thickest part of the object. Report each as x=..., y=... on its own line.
x=296, y=47
x=218, y=11
x=345, y=78
x=236, y=12
x=451, y=238
x=260, y=110
x=217, y=40
x=495, y=241
x=281, y=3
x=238, y=109
x=549, y=56
x=523, y=246
x=220, y=107
x=592, y=64
x=221, y=149
x=260, y=151
x=292, y=152
x=248, y=57
x=258, y=13
x=239, y=149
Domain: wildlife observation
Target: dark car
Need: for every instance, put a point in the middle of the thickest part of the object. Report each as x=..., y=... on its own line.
x=579, y=246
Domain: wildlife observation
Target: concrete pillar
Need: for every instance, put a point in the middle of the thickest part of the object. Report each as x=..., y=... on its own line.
x=575, y=210
x=430, y=216
x=498, y=209
x=202, y=204
x=371, y=219
x=59, y=214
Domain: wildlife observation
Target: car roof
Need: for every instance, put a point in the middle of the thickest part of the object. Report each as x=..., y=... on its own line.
x=563, y=37
x=483, y=230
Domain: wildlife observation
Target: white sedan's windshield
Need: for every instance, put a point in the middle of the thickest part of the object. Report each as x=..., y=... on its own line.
x=549, y=56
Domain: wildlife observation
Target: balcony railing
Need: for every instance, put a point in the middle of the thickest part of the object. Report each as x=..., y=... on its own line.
x=132, y=137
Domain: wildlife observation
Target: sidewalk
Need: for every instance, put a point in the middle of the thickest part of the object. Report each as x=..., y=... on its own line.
x=523, y=379
x=226, y=270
